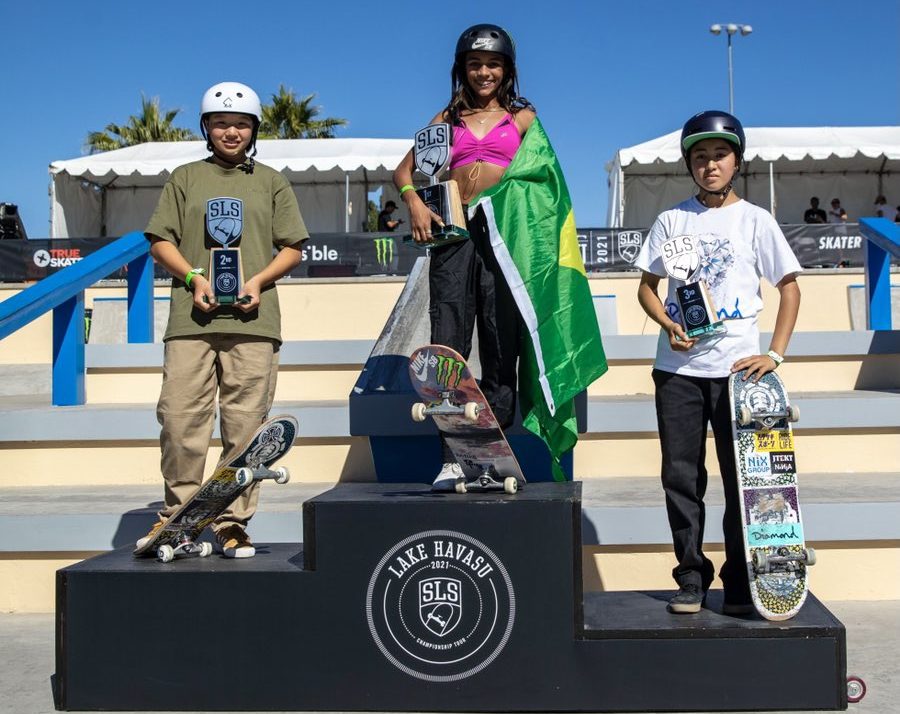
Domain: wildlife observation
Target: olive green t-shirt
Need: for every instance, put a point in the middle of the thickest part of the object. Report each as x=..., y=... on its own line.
x=260, y=215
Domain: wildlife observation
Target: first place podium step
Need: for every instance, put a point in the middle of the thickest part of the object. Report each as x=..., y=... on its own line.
x=404, y=600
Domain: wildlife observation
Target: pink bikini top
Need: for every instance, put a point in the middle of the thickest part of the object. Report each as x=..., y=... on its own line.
x=497, y=147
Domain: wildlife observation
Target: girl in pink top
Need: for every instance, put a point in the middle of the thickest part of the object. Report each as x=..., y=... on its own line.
x=489, y=119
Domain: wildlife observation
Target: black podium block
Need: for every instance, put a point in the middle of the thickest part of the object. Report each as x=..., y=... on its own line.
x=404, y=600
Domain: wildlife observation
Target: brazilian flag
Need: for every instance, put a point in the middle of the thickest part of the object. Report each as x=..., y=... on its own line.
x=532, y=232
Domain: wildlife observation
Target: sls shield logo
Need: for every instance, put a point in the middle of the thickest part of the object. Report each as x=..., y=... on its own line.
x=629, y=245
x=440, y=606
x=432, y=149
x=225, y=219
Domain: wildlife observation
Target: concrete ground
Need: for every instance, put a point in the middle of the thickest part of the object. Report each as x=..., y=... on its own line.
x=873, y=640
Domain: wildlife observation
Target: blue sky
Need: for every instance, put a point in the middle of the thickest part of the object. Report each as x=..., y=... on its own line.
x=603, y=75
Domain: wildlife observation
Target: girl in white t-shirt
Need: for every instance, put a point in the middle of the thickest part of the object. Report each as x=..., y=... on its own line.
x=737, y=243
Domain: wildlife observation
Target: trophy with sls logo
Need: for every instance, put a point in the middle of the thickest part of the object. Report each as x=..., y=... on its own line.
x=432, y=155
x=225, y=225
x=681, y=259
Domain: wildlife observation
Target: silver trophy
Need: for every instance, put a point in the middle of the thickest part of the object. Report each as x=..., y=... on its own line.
x=681, y=259
x=431, y=151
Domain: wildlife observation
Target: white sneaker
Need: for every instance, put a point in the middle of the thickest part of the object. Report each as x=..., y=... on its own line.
x=447, y=478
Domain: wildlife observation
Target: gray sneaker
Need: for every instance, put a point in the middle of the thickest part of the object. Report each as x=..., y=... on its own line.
x=687, y=601
x=447, y=478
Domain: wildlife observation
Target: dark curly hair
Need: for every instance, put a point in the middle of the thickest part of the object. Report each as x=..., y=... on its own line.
x=462, y=99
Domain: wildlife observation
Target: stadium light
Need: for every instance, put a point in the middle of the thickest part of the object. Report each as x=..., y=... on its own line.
x=730, y=29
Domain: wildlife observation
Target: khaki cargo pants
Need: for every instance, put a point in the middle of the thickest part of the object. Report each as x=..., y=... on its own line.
x=242, y=371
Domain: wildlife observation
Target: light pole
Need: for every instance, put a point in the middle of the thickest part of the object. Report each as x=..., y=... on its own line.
x=730, y=29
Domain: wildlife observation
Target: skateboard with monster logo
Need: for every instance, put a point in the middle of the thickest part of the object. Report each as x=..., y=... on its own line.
x=451, y=396
x=178, y=536
x=774, y=545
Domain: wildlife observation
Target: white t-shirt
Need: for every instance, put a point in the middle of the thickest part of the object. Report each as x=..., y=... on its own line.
x=738, y=244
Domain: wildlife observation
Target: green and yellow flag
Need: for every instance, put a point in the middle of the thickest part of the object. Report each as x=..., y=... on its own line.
x=532, y=230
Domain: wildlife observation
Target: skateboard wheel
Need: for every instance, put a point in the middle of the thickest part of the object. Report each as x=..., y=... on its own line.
x=745, y=416
x=510, y=484
x=810, y=557
x=283, y=475
x=243, y=476
x=760, y=561
x=794, y=413
x=461, y=487
x=205, y=549
x=470, y=411
x=856, y=689
x=418, y=411
x=166, y=553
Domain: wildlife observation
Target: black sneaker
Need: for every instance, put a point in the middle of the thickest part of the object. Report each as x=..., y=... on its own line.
x=687, y=601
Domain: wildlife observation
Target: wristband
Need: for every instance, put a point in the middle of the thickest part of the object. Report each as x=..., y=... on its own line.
x=407, y=187
x=776, y=358
x=191, y=273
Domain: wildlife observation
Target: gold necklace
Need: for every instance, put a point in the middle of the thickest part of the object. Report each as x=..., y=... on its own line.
x=488, y=111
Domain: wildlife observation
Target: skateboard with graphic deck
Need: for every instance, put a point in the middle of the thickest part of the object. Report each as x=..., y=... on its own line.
x=178, y=537
x=774, y=545
x=451, y=397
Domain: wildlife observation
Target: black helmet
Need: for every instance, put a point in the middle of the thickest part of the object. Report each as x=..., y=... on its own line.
x=713, y=125
x=486, y=38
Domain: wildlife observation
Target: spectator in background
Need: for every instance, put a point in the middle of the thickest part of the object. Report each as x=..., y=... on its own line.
x=385, y=222
x=881, y=209
x=897, y=215
x=814, y=214
x=837, y=214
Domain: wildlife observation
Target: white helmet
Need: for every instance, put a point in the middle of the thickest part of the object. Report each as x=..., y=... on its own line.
x=231, y=97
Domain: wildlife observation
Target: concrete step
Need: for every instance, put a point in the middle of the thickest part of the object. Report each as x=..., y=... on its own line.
x=853, y=432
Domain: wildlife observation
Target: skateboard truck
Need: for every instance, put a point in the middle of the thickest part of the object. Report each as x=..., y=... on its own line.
x=763, y=562
x=167, y=553
x=470, y=410
x=768, y=419
x=246, y=474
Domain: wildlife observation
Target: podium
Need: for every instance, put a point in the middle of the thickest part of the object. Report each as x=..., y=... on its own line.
x=399, y=599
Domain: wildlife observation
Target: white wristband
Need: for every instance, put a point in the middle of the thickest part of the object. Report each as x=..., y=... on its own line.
x=776, y=358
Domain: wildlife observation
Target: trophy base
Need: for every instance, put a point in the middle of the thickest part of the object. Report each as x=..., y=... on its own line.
x=706, y=331
x=446, y=236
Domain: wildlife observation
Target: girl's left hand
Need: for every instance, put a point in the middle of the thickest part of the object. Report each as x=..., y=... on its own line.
x=755, y=365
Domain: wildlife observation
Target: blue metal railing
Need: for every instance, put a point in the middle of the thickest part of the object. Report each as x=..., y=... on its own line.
x=63, y=293
x=882, y=241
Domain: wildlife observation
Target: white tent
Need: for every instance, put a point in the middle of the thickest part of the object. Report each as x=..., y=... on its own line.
x=783, y=168
x=115, y=192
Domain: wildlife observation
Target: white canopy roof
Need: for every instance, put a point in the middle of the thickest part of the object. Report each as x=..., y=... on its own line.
x=854, y=164
x=115, y=192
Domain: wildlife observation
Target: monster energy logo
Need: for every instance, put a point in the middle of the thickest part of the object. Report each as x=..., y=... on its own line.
x=384, y=251
x=449, y=371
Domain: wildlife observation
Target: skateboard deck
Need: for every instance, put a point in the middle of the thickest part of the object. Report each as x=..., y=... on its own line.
x=178, y=536
x=451, y=396
x=776, y=553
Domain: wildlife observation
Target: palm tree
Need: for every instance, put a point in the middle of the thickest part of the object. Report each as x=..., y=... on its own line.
x=290, y=118
x=150, y=125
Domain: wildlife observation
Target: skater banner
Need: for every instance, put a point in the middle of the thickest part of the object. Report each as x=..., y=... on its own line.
x=363, y=254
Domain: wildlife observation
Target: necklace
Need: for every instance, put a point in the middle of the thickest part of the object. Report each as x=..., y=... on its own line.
x=483, y=111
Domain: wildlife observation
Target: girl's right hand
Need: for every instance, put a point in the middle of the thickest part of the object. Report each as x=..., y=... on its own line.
x=421, y=218
x=678, y=340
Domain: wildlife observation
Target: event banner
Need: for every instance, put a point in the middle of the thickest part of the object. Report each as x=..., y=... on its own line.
x=345, y=255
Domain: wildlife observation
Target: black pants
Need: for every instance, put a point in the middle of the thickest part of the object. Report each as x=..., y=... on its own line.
x=684, y=407
x=468, y=289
